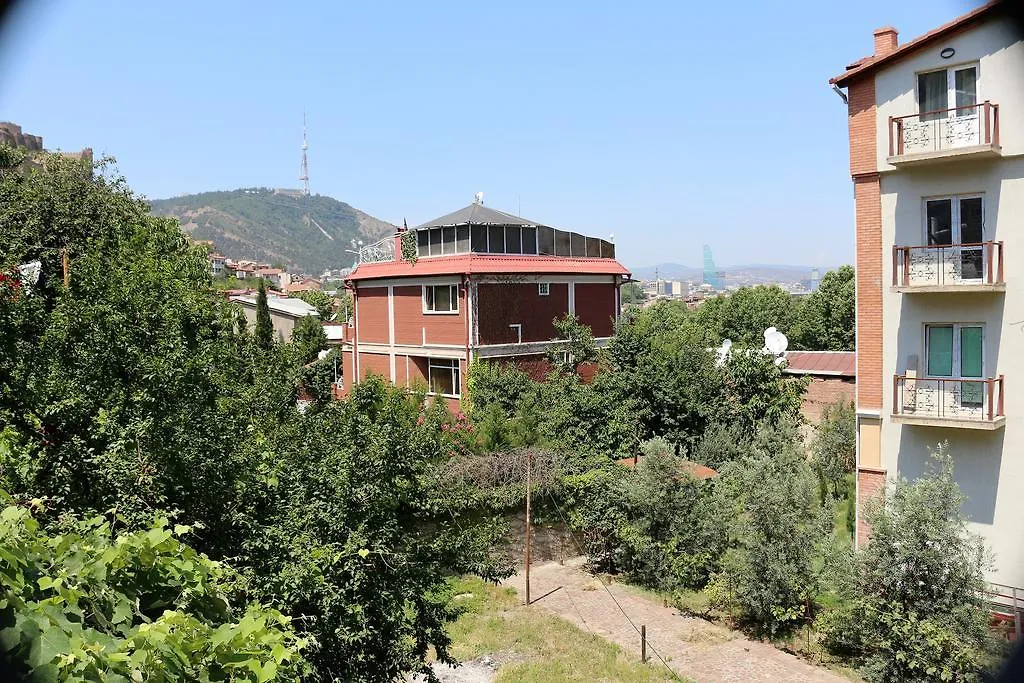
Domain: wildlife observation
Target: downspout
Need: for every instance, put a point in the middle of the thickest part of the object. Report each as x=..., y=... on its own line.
x=355, y=332
x=469, y=327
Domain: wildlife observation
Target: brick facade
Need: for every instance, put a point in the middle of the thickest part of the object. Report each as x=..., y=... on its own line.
x=412, y=325
x=502, y=304
x=823, y=392
x=595, y=306
x=372, y=315
x=870, y=484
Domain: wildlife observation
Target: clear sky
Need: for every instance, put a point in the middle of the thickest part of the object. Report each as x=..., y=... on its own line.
x=669, y=124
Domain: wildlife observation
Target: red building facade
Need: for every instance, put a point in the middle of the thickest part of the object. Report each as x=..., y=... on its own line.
x=484, y=285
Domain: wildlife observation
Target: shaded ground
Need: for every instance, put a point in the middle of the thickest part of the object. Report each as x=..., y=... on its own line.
x=691, y=647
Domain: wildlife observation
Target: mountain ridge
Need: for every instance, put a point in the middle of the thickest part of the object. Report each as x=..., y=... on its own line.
x=305, y=233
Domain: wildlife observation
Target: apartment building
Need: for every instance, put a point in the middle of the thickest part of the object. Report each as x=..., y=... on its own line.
x=483, y=284
x=936, y=131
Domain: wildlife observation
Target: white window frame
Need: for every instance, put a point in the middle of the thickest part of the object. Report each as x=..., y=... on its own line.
x=957, y=370
x=451, y=364
x=950, y=86
x=954, y=201
x=455, y=300
x=543, y=288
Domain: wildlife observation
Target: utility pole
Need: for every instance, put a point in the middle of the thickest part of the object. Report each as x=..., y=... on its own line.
x=529, y=456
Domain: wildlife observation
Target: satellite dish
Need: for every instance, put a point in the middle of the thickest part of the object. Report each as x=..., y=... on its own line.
x=775, y=342
x=323, y=354
x=723, y=350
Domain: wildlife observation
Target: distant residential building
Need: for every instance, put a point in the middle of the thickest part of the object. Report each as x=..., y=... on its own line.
x=305, y=285
x=936, y=135
x=486, y=285
x=285, y=313
x=217, y=265
x=278, y=277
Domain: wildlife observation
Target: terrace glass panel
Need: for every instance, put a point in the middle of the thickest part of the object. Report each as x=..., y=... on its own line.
x=495, y=239
x=546, y=241
x=462, y=240
x=513, y=240
x=529, y=240
x=479, y=239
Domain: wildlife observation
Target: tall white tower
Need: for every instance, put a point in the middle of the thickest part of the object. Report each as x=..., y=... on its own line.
x=304, y=171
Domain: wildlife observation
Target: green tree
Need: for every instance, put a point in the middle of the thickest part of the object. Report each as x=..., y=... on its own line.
x=918, y=612
x=579, y=346
x=835, y=443
x=826, y=320
x=745, y=314
x=320, y=300
x=759, y=393
x=264, y=326
x=308, y=339
x=631, y=293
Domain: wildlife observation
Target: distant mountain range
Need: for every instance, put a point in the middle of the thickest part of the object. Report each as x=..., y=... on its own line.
x=750, y=274
x=306, y=234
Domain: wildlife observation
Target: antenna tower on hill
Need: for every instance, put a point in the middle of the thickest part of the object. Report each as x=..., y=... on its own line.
x=304, y=172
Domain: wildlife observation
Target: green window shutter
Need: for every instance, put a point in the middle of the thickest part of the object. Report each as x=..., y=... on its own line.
x=940, y=351
x=970, y=352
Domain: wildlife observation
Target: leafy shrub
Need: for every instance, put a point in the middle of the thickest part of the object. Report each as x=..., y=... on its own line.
x=84, y=605
x=835, y=443
x=918, y=613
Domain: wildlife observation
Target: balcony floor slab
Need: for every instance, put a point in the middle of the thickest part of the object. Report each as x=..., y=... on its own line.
x=926, y=421
x=943, y=155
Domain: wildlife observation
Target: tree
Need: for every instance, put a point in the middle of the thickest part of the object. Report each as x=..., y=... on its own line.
x=264, y=327
x=631, y=293
x=579, y=347
x=320, y=300
x=745, y=314
x=759, y=393
x=308, y=339
x=826, y=320
x=835, y=443
x=918, y=611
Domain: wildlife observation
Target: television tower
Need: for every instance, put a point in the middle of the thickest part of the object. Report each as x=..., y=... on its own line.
x=304, y=171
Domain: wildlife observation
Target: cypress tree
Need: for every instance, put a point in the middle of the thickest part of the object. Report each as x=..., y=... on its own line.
x=264, y=328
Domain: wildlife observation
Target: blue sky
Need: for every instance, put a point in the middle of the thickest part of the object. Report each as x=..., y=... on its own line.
x=669, y=124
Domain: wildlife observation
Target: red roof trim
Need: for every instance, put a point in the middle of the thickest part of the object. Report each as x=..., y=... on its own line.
x=869, y=64
x=469, y=264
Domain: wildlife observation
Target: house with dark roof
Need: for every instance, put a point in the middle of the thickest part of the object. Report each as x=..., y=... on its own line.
x=477, y=283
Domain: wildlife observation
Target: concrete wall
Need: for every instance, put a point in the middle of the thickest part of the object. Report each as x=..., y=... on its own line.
x=987, y=465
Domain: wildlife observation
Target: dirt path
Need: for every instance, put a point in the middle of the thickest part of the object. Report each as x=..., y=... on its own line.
x=693, y=648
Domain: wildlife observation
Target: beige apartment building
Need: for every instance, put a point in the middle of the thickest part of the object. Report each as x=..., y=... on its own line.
x=937, y=159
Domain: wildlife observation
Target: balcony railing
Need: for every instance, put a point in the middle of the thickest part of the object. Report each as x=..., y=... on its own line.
x=944, y=132
x=960, y=402
x=382, y=250
x=948, y=267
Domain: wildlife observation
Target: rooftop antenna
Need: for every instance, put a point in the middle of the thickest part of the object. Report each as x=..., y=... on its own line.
x=478, y=198
x=304, y=171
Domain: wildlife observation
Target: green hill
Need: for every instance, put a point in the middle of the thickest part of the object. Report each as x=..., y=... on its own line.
x=307, y=234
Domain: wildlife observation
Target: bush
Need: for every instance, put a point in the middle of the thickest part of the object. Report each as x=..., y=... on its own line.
x=918, y=613
x=84, y=605
x=835, y=443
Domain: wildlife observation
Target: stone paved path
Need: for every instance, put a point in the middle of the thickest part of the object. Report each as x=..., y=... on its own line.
x=692, y=647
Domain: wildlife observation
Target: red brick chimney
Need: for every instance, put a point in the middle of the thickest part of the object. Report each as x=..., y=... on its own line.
x=885, y=41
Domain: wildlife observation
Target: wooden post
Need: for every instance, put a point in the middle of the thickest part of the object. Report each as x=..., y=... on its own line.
x=64, y=262
x=643, y=643
x=528, y=458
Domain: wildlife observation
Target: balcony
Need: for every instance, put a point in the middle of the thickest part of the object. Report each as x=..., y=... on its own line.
x=936, y=136
x=975, y=267
x=963, y=403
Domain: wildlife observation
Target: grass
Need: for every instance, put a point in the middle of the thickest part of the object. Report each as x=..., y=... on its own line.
x=534, y=646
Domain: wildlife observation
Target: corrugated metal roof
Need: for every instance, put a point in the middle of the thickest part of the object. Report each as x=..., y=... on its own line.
x=829, y=363
x=477, y=214
x=288, y=306
x=469, y=264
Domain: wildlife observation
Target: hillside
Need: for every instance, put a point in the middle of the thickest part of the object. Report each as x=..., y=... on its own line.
x=272, y=226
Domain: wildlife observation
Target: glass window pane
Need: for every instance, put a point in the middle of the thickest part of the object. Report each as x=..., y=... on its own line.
x=562, y=247
x=435, y=241
x=428, y=298
x=579, y=245
x=940, y=350
x=456, y=379
x=932, y=94
x=546, y=241
x=444, y=377
x=462, y=240
x=513, y=240
x=443, y=298
x=593, y=247
x=479, y=240
x=422, y=243
x=529, y=240
x=495, y=239
x=448, y=240
x=939, y=217
x=966, y=82
x=970, y=221
x=970, y=352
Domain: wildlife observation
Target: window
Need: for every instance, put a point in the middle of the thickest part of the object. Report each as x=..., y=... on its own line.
x=496, y=239
x=441, y=299
x=479, y=239
x=957, y=350
x=513, y=240
x=435, y=241
x=444, y=377
x=448, y=240
x=543, y=288
x=953, y=89
x=529, y=240
x=955, y=222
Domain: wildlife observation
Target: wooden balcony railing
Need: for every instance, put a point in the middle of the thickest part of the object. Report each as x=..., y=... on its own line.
x=956, y=265
x=944, y=130
x=954, y=399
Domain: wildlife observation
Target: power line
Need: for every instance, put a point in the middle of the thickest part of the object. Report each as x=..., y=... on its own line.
x=579, y=547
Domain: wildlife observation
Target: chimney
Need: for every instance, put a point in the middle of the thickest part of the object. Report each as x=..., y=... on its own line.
x=885, y=41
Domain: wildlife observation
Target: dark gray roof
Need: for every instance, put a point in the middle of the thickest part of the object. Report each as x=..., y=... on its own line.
x=477, y=214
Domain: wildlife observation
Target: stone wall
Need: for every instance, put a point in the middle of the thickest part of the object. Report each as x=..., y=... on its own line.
x=549, y=542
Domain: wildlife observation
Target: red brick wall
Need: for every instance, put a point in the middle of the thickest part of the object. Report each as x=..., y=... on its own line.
x=863, y=133
x=822, y=392
x=502, y=304
x=377, y=363
x=536, y=367
x=372, y=315
x=595, y=306
x=870, y=484
x=442, y=328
